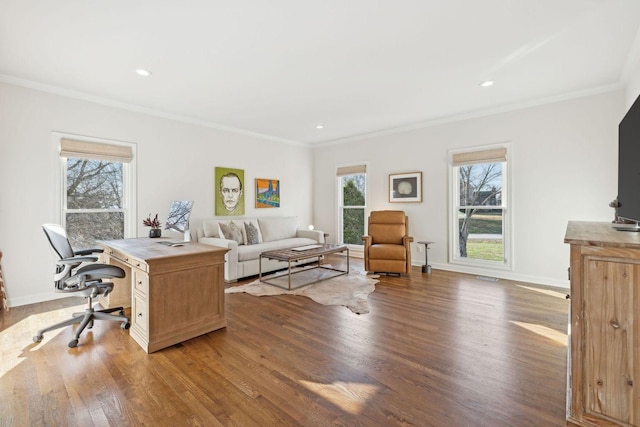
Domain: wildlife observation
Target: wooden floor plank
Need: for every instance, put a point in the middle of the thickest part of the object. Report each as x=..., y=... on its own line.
x=443, y=349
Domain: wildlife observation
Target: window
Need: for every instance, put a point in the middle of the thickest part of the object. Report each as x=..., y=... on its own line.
x=352, y=203
x=479, y=224
x=97, y=191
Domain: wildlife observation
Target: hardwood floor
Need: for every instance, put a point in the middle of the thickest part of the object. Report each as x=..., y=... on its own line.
x=444, y=349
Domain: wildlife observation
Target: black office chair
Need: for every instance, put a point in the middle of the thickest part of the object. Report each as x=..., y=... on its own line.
x=86, y=279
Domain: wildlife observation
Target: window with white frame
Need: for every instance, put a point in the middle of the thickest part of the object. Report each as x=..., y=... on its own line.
x=97, y=191
x=480, y=215
x=352, y=204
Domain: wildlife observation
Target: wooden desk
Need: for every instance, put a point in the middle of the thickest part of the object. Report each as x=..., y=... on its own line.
x=176, y=293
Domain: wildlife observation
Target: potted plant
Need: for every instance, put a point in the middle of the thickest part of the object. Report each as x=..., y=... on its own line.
x=154, y=224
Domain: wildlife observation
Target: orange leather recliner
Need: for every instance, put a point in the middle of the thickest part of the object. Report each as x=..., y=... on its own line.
x=387, y=247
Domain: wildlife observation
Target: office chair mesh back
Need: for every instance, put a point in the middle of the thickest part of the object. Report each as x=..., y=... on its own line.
x=58, y=238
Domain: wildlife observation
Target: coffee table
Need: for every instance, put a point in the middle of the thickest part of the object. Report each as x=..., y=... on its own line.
x=298, y=254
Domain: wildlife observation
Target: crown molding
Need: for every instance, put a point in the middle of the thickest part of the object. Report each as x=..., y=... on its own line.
x=68, y=93
x=358, y=137
x=485, y=112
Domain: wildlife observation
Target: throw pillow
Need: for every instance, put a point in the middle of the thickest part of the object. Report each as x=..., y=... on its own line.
x=253, y=233
x=231, y=232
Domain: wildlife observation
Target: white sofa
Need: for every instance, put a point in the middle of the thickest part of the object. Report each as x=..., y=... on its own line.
x=247, y=238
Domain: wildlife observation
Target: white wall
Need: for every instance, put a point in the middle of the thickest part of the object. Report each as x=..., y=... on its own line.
x=175, y=161
x=632, y=72
x=633, y=89
x=563, y=162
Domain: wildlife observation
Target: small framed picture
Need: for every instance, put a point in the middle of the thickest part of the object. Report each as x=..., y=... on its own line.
x=405, y=187
x=267, y=193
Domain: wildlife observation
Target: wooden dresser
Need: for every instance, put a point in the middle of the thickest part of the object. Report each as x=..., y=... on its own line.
x=604, y=351
x=176, y=293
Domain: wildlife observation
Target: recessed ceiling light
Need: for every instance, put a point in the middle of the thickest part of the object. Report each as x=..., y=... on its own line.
x=142, y=72
x=319, y=127
x=487, y=83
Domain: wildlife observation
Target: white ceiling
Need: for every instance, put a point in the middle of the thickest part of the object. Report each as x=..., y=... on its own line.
x=280, y=67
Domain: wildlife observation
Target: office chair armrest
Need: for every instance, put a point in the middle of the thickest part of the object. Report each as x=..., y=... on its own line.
x=89, y=251
x=77, y=260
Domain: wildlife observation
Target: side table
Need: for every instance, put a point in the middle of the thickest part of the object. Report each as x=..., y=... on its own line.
x=426, y=268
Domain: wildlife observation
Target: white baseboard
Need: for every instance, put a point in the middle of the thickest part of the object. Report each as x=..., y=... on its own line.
x=501, y=274
x=33, y=299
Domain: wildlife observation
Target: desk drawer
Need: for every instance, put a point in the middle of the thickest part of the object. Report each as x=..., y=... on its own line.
x=140, y=314
x=127, y=259
x=141, y=282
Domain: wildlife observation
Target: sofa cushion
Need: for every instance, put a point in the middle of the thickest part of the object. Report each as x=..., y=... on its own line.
x=278, y=228
x=210, y=228
x=231, y=231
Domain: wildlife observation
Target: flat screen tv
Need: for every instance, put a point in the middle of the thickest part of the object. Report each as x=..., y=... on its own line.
x=629, y=167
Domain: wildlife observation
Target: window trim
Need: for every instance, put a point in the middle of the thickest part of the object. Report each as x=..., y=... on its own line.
x=129, y=180
x=474, y=155
x=343, y=170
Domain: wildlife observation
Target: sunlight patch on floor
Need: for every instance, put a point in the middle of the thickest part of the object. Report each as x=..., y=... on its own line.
x=546, y=332
x=550, y=292
x=14, y=351
x=350, y=397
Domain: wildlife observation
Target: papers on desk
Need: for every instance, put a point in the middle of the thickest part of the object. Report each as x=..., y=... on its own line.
x=306, y=248
x=168, y=243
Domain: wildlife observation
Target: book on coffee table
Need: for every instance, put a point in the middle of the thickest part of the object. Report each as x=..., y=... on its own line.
x=306, y=248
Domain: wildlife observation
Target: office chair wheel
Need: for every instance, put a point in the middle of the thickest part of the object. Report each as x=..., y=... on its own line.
x=121, y=312
x=37, y=338
x=73, y=343
x=125, y=325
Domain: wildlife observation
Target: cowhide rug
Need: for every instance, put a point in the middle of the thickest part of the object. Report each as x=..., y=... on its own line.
x=350, y=290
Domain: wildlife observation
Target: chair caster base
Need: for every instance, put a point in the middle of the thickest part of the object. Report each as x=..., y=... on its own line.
x=73, y=343
x=37, y=338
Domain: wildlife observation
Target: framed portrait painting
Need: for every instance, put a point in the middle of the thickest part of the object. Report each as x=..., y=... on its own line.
x=405, y=187
x=229, y=191
x=267, y=193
